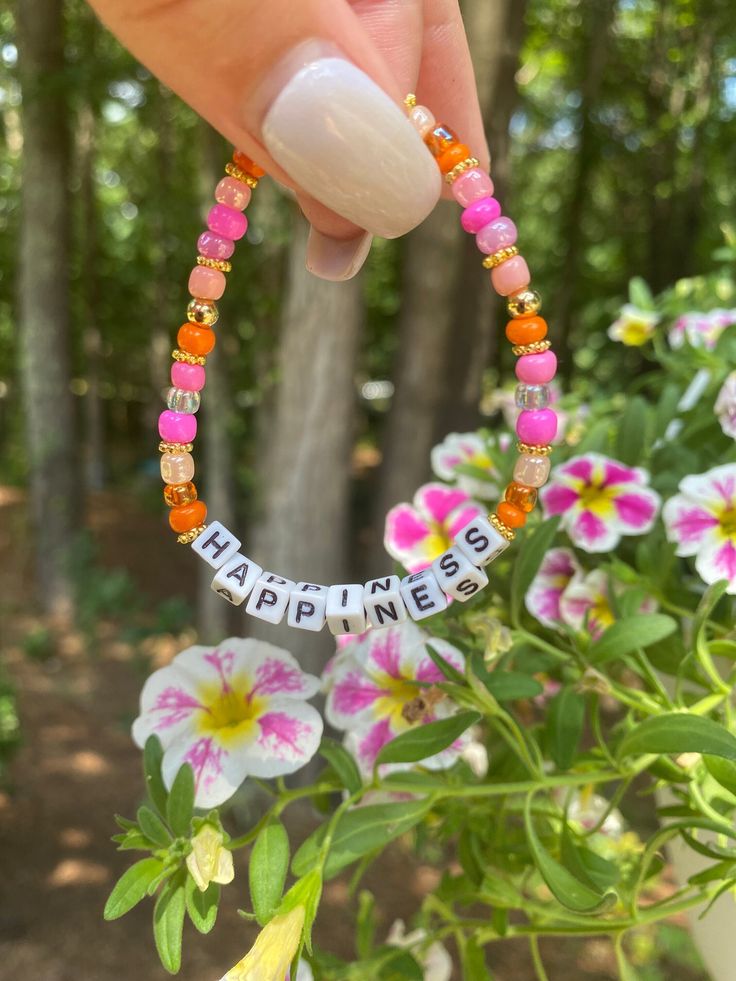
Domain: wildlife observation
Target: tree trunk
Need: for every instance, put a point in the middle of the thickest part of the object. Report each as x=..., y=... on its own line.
x=44, y=301
x=302, y=526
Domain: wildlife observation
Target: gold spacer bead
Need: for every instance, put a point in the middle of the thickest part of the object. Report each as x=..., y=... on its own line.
x=203, y=312
x=458, y=169
x=534, y=449
x=538, y=347
x=525, y=303
x=232, y=170
x=187, y=358
x=491, y=261
x=501, y=528
x=220, y=264
x=410, y=101
x=187, y=537
x=164, y=447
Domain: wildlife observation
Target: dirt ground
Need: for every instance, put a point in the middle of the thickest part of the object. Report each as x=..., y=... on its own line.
x=77, y=766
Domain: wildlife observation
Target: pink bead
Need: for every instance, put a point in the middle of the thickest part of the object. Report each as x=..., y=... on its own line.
x=472, y=185
x=537, y=369
x=206, y=283
x=177, y=427
x=235, y=194
x=538, y=426
x=190, y=377
x=227, y=221
x=511, y=276
x=498, y=234
x=215, y=246
x=480, y=213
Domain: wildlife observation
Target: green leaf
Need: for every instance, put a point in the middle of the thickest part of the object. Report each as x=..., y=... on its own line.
x=153, y=754
x=564, y=886
x=133, y=841
x=708, y=602
x=168, y=923
x=625, y=636
x=679, y=732
x=585, y=864
x=506, y=686
x=358, y=832
x=180, y=805
x=202, y=906
x=528, y=562
x=474, y=959
x=426, y=739
x=640, y=295
x=565, y=726
x=342, y=763
x=448, y=670
x=269, y=862
x=402, y=967
x=723, y=771
x=632, y=432
x=365, y=925
x=131, y=887
x=153, y=827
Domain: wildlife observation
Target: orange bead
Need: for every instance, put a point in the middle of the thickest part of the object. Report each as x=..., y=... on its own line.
x=440, y=139
x=522, y=497
x=243, y=161
x=177, y=494
x=195, y=339
x=511, y=516
x=452, y=156
x=526, y=331
x=187, y=516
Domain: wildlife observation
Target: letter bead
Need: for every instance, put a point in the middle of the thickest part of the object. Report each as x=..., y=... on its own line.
x=423, y=595
x=236, y=579
x=311, y=587
x=307, y=609
x=383, y=603
x=270, y=597
x=216, y=545
x=345, y=612
x=480, y=541
x=457, y=575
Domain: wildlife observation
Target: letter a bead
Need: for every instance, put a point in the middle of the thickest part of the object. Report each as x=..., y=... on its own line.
x=236, y=579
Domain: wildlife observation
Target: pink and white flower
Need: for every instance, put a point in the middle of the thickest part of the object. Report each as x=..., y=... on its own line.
x=600, y=500
x=374, y=694
x=559, y=567
x=700, y=329
x=725, y=407
x=587, y=604
x=467, y=449
x=416, y=534
x=634, y=326
x=232, y=711
x=701, y=520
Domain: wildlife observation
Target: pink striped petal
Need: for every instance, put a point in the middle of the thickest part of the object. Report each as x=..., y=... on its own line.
x=557, y=498
x=637, y=510
x=717, y=560
x=580, y=467
x=405, y=529
x=591, y=533
x=351, y=699
x=687, y=524
x=461, y=517
x=217, y=772
x=437, y=501
x=618, y=473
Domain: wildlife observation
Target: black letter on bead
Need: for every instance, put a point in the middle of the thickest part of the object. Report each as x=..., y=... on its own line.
x=475, y=537
x=239, y=573
x=278, y=579
x=304, y=608
x=384, y=584
x=267, y=597
x=386, y=612
x=419, y=595
x=449, y=564
x=344, y=600
x=212, y=540
x=467, y=587
x=346, y=625
x=227, y=594
x=309, y=587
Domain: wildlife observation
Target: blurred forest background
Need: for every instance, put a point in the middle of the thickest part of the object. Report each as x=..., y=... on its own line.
x=611, y=124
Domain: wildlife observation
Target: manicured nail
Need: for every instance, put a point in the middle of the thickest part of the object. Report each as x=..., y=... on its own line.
x=341, y=138
x=334, y=258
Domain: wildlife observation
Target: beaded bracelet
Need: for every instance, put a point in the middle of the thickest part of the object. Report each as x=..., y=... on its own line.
x=458, y=572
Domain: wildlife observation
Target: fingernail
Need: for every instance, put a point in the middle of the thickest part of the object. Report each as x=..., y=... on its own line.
x=341, y=138
x=334, y=258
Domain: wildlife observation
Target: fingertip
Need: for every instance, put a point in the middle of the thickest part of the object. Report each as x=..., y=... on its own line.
x=336, y=259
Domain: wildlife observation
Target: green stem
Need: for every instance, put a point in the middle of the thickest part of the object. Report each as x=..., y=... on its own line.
x=537, y=958
x=519, y=786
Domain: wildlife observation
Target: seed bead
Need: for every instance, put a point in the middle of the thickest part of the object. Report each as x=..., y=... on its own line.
x=491, y=261
x=536, y=347
x=221, y=264
x=164, y=447
x=501, y=528
x=534, y=449
x=189, y=536
x=460, y=168
x=178, y=355
x=232, y=170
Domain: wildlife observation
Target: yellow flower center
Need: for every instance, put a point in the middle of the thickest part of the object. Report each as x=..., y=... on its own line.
x=231, y=714
x=728, y=522
x=598, y=499
x=399, y=692
x=636, y=332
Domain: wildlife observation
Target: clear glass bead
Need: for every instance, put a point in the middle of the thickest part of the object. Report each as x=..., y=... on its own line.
x=532, y=396
x=179, y=400
x=532, y=471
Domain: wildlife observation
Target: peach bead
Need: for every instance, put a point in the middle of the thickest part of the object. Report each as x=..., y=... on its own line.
x=195, y=339
x=510, y=276
x=422, y=119
x=177, y=468
x=511, y=516
x=187, y=516
x=233, y=193
x=526, y=331
x=206, y=283
x=452, y=157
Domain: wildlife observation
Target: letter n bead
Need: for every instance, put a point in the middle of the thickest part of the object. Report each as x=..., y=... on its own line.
x=216, y=544
x=422, y=595
x=480, y=541
x=457, y=575
x=382, y=599
x=236, y=579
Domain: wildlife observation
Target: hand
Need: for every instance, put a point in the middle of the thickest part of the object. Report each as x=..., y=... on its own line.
x=291, y=82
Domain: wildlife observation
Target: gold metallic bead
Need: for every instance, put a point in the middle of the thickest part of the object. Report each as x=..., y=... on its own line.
x=501, y=528
x=534, y=449
x=537, y=347
x=187, y=358
x=220, y=264
x=491, y=261
x=410, y=101
x=187, y=537
x=232, y=170
x=458, y=169
x=525, y=303
x=201, y=311
x=164, y=447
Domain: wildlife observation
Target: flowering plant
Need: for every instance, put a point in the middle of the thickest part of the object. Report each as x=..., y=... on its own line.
x=510, y=730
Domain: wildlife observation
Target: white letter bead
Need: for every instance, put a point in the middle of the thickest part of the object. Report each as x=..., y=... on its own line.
x=236, y=579
x=480, y=541
x=310, y=587
x=270, y=597
x=382, y=601
x=306, y=609
x=345, y=613
x=457, y=575
x=216, y=544
x=422, y=594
